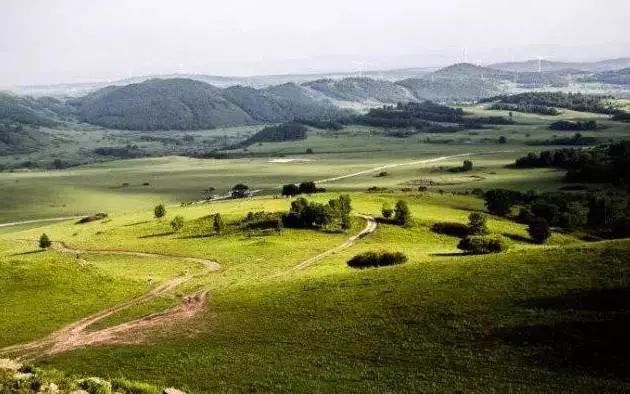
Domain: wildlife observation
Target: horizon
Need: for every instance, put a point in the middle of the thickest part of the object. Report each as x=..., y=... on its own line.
x=81, y=42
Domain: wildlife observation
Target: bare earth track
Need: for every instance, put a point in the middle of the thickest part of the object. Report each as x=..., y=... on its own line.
x=76, y=335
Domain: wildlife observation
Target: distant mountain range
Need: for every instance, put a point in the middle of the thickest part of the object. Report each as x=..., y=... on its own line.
x=203, y=102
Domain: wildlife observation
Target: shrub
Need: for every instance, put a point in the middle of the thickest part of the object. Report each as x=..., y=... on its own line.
x=92, y=218
x=376, y=259
x=95, y=385
x=539, y=230
x=217, y=223
x=290, y=190
x=131, y=387
x=44, y=241
x=467, y=166
x=402, y=214
x=240, y=190
x=177, y=223
x=450, y=228
x=263, y=221
x=477, y=224
x=476, y=244
x=387, y=211
x=159, y=211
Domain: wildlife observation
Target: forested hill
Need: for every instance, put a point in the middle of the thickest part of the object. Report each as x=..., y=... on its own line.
x=185, y=104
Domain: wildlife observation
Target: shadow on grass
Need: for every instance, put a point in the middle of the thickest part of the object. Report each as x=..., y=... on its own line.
x=29, y=252
x=136, y=223
x=593, y=339
x=518, y=238
x=157, y=235
x=197, y=236
x=451, y=254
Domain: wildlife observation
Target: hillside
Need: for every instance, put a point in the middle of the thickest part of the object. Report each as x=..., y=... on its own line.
x=26, y=110
x=546, y=65
x=161, y=105
x=361, y=90
x=450, y=89
x=278, y=105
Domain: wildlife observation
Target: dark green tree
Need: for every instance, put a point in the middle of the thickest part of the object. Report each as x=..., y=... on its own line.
x=177, y=223
x=44, y=241
x=539, y=230
x=290, y=190
x=477, y=224
x=402, y=214
x=159, y=211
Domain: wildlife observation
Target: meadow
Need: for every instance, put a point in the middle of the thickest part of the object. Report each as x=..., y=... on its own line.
x=281, y=311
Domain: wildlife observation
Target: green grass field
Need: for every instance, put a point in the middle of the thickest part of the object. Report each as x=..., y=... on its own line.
x=537, y=318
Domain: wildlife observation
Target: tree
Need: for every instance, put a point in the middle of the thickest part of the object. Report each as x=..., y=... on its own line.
x=177, y=223
x=477, y=224
x=467, y=166
x=387, y=211
x=501, y=201
x=217, y=224
x=402, y=214
x=290, y=190
x=240, y=190
x=308, y=188
x=539, y=230
x=502, y=140
x=159, y=211
x=44, y=241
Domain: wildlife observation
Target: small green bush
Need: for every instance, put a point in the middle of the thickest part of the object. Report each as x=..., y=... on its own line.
x=376, y=259
x=44, y=241
x=482, y=245
x=95, y=385
x=451, y=228
x=127, y=386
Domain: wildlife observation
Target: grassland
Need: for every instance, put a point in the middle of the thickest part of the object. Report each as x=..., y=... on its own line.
x=534, y=319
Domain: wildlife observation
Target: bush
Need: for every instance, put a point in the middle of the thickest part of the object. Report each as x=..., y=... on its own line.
x=475, y=244
x=131, y=387
x=539, y=230
x=95, y=385
x=159, y=211
x=290, y=190
x=402, y=214
x=477, y=224
x=217, y=223
x=44, y=241
x=451, y=228
x=376, y=259
x=177, y=223
x=92, y=218
x=387, y=211
x=467, y=166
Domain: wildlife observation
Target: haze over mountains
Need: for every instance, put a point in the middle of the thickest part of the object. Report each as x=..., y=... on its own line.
x=204, y=102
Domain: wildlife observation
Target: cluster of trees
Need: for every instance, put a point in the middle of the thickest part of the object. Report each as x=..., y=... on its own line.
x=606, y=214
x=526, y=108
x=573, y=101
x=567, y=125
x=240, y=190
x=400, y=214
x=482, y=245
x=291, y=189
x=322, y=124
x=606, y=163
x=576, y=140
x=332, y=216
x=290, y=131
x=263, y=221
x=621, y=116
x=376, y=259
x=123, y=152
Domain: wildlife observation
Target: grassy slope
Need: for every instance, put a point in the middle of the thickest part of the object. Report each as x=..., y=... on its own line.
x=439, y=321
x=441, y=324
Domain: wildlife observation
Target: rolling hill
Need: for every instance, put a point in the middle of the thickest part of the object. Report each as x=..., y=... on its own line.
x=546, y=65
x=361, y=89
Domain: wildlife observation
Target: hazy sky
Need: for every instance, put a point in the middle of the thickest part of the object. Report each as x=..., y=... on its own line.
x=52, y=41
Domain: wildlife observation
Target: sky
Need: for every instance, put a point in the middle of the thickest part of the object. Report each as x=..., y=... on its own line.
x=57, y=41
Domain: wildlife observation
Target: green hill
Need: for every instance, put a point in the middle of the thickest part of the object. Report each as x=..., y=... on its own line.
x=361, y=89
x=26, y=110
x=161, y=105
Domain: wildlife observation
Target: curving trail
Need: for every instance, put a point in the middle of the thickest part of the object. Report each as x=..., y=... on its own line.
x=369, y=228
x=76, y=335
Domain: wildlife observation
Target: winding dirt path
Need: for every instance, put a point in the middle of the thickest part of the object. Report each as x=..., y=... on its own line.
x=369, y=228
x=76, y=335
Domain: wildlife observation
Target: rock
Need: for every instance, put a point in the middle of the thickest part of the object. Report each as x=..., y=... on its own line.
x=7, y=364
x=171, y=390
